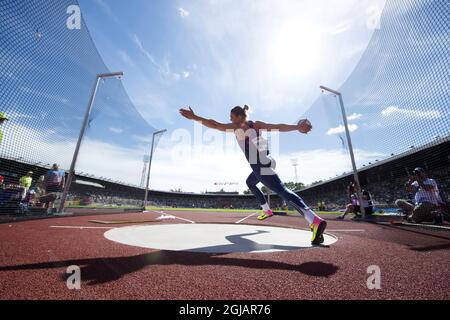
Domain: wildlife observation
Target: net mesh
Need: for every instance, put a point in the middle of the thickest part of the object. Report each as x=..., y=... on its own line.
x=47, y=74
x=397, y=105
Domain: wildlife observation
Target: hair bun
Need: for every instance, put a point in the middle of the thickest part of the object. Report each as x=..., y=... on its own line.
x=246, y=107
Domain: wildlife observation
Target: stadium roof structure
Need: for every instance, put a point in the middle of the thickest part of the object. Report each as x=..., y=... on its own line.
x=89, y=183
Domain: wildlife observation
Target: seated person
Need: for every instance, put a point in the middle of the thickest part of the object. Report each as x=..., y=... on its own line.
x=427, y=199
x=354, y=206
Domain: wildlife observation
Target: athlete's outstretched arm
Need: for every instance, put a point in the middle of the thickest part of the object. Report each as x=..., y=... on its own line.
x=303, y=126
x=210, y=123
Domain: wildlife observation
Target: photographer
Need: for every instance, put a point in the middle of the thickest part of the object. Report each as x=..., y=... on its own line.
x=426, y=198
x=354, y=205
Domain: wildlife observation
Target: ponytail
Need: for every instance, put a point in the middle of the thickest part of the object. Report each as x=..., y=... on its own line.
x=241, y=111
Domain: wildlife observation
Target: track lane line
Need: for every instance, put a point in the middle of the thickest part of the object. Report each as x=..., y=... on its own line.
x=168, y=214
x=80, y=227
x=187, y=220
x=346, y=230
x=242, y=220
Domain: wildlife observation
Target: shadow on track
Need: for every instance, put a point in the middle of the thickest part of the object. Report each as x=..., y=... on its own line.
x=238, y=243
x=102, y=270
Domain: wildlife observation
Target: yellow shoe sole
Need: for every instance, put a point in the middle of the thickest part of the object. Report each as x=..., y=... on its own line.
x=264, y=217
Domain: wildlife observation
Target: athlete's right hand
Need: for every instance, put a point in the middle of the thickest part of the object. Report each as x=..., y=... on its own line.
x=188, y=113
x=304, y=126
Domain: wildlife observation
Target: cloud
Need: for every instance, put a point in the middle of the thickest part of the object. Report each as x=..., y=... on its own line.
x=49, y=96
x=116, y=130
x=191, y=167
x=105, y=7
x=341, y=129
x=203, y=167
x=163, y=67
x=354, y=116
x=183, y=12
x=315, y=164
x=154, y=104
x=394, y=111
x=108, y=10
x=126, y=58
x=341, y=27
x=96, y=157
x=183, y=75
x=147, y=54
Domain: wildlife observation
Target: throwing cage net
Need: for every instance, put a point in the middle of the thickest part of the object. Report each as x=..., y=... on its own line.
x=49, y=65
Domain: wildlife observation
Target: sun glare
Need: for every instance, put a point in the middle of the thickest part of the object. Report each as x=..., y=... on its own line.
x=295, y=49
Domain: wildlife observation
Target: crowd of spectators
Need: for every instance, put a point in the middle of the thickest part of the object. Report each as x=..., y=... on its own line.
x=44, y=192
x=384, y=192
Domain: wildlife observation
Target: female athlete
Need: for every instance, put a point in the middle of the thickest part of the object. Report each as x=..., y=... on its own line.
x=248, y=135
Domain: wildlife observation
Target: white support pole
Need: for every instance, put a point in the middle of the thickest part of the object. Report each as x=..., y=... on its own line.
x=80, y=137
x=150, y=166
x=350, y=147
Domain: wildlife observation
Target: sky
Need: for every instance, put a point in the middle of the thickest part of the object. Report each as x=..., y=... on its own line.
x=213, y=55
x=389, y=59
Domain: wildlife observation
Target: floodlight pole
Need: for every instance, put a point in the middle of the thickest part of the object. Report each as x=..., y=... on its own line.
x=295, y=165
x=150, y=165
x=350, y=146
x=82, y=132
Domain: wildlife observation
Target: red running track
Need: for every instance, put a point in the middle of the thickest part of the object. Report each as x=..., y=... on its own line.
x=34, y=257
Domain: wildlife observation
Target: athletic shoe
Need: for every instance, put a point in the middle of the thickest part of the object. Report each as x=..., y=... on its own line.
x=320, y=240
x=265, y=215
x=318, y=228
x=341, y=217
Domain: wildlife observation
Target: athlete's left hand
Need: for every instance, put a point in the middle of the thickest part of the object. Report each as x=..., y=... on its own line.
x=188, y=113
x=304, y=126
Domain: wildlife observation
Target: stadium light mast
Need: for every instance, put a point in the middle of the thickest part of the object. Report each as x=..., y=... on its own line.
x=82, y=132
x=294, y=163
x=350, y=146
x=150, y=165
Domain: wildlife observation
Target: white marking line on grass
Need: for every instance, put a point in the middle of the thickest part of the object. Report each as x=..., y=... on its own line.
x=80, y=227
x=163, y=213
x=237, y=222
x=346, y=230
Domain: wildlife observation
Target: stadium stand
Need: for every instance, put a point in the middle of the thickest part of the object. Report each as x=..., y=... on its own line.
x=385, y=180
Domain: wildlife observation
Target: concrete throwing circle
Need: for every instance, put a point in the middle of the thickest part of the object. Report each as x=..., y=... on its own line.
x=214, y=238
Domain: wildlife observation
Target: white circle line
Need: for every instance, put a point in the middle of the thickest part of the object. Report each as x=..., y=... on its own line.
x=215, y=238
